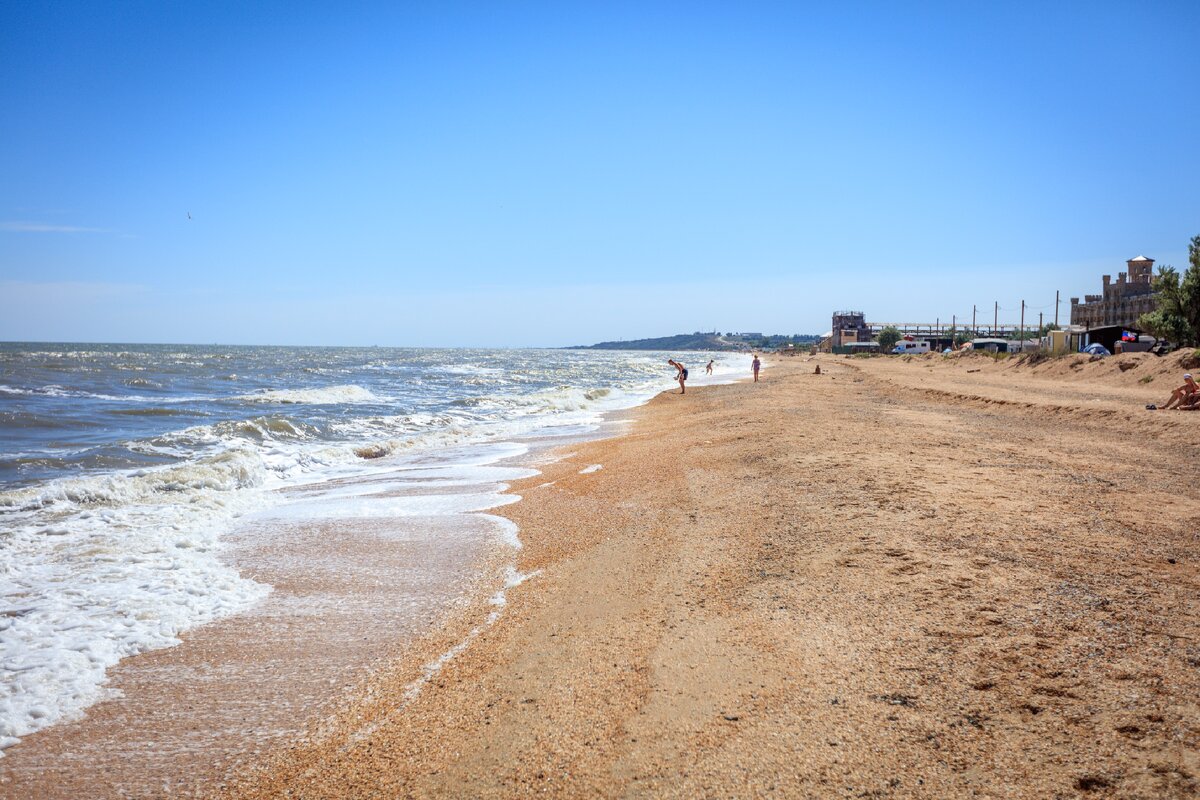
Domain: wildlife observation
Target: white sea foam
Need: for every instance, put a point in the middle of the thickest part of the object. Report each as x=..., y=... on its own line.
x=471, y=369
x=223, y=472
x=98, y=567
x=419, y=492
x=510, y=533
x=111, y=567
x=327, y=395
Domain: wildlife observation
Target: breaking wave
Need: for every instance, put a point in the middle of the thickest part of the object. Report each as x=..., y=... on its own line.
x=328, y=395
x=115, y=490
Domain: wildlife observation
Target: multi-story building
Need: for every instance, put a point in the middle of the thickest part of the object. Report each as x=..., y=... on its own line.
x=1122, y=302
x=849, y=327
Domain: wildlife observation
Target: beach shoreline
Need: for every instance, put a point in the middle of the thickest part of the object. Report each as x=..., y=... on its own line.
x=864, y=581
x=361, y=566
x=878, y=580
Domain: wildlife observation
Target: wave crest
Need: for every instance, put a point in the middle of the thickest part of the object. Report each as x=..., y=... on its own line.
x=327, y=395
x=224, y=472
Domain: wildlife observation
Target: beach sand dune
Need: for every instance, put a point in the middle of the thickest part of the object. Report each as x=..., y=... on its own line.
x=899, y=578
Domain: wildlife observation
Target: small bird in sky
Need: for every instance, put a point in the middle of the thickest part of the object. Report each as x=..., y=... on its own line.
x=189, y=215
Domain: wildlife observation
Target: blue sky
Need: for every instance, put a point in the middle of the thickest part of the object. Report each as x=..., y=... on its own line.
x=554, y=173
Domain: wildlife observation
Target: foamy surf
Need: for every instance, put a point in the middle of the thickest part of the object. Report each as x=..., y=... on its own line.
x=98, y=569
x=122, y=472
x=328, y=395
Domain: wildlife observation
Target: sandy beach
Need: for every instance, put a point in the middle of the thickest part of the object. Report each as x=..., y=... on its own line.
x=899, y=578
x=902, y=577
x=344, y=446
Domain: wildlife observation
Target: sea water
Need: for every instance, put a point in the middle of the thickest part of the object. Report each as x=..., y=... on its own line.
x=123, y=466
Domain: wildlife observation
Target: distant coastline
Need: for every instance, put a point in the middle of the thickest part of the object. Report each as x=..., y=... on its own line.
x=706, y=341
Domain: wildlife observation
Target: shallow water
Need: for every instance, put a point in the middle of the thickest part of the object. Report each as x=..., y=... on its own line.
x=121, y=468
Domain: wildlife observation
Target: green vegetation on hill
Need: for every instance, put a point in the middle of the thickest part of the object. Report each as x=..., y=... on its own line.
x=708, y=341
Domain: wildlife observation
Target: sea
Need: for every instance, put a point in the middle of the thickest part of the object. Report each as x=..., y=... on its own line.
x=123, y=469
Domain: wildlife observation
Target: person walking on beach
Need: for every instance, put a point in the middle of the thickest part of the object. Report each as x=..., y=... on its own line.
x=755, y=365
x=680, y=374
x=708, y=369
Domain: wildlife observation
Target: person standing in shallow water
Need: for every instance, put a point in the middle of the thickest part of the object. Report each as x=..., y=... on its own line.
x=755, y=365
x=708, y=369
x=680, y=374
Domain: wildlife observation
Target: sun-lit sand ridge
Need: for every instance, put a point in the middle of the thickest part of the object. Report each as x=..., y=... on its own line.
x=922, y=577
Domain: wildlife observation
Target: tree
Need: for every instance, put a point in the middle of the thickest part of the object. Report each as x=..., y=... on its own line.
x=888, y=337
x=1177, y=318
x=962, y=337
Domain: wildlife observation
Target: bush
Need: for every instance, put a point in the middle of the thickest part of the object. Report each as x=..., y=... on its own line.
x=887, y=338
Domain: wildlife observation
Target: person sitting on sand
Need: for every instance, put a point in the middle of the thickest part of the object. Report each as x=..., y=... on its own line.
x=680, y=374
x=755, y=365
x=1183, y=394
x=708, y=369
x=1190, y=403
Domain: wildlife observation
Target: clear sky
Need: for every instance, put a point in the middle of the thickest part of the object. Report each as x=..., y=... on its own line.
x=524, y=173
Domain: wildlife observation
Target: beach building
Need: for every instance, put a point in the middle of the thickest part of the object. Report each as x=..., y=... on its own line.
x=1121, y=302
x=1070, y=339
x=849, y=327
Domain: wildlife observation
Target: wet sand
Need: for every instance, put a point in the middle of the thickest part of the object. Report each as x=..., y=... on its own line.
x=349, y=595
x=901, y=578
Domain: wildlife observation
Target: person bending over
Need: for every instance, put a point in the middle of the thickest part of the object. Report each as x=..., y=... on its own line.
x=680, y=374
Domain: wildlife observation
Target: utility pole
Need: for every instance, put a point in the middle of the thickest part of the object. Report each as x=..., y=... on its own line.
x=1021, y=335
x=1056, y=308
x=996, y=318
x=1041, y=327
x=973, y=328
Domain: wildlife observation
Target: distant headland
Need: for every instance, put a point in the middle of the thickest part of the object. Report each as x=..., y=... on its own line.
x=711, y=340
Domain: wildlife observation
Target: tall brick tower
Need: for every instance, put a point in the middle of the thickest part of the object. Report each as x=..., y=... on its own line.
x=1141, y=269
